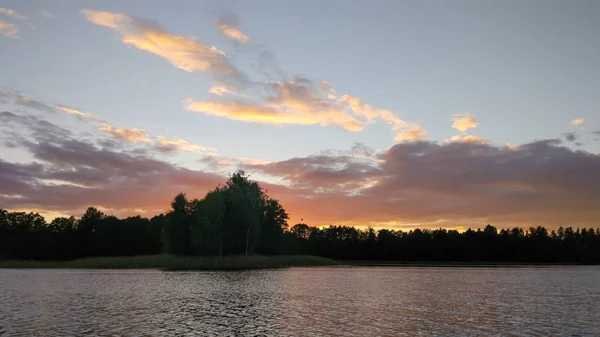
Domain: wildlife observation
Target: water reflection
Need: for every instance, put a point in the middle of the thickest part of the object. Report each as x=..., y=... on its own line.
x=302, y=302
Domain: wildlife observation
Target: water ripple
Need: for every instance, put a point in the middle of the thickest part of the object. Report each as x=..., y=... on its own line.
x=302, y=302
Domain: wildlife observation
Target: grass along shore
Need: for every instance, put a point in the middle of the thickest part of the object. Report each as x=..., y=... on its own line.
x=171, y=262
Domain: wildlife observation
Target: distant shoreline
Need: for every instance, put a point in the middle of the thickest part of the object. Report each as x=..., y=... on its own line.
x=469, y=264
x=170, y=262
x=173, y=263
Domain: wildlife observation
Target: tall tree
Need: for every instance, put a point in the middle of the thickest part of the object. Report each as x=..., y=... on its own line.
x=177, y=233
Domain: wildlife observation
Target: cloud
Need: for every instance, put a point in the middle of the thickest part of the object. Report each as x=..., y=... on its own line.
x=130, y=135
x=12, y=13
x=275, y=99
x=80, y=114
x=229, y=30
x=464, y=122
x=412, y=134
x=571, y=136
x=78, y=173
x=17, y=127
x=247, y=112
x=220, y=90
x=182, y=52
x=47, y=15
x=85, y=175
x=302, y=102
x=469, y=139
x=577, y=121
x=70, y=110
x=9, y=30
x=418, y=182
x=176, y=144
x=26, y=102
x=425, y=182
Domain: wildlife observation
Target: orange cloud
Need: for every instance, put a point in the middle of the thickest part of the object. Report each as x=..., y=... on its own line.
x=297, y=101
x=232, y=32
x=220, y=90
x=577, y=121
x=70, y=110
x=79, y=113
x=411, y=134
x=177, y=144
x=182, y=52
x=12, y=13
x=469, y=139
x=405, y=131
x=301, y=102
x=9, y=30
x=249, y=112
x=130, y=135
x=464, y=122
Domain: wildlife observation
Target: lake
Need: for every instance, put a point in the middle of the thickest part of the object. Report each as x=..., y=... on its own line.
x=337, y=301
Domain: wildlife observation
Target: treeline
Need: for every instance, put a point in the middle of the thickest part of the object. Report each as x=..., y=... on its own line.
x=536, y=244
x=240, y=218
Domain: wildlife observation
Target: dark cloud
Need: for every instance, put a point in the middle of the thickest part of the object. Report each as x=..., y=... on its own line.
x=75, y=174
x=70, y=174
x=38, y=127
x=425, y=182
x=571, y=136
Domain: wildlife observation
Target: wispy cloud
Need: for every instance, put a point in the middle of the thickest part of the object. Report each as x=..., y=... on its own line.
x=9, y=30
x=176, y=144
x=25, y=102
x=464, y=122
x=12, y=13
x=303, y=102
x=70, y=110
x=219, y=90
x=47, y=15
x=278, y=101
x=412, y=134
x=130, y=135
x=257, y=113
x=79, y=114
x=183, y=52
x=231, y=31
x=577, y=121
x=469, y=139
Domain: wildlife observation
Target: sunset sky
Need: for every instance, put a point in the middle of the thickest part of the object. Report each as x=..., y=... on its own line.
x=396, y=114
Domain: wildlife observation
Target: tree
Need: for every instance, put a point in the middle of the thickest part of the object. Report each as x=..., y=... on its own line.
x=301, y=230
x=177, y=234
x=209, y=230
x=244, y=201
x=273, y=223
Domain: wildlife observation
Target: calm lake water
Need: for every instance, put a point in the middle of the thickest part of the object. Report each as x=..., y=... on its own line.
x=353, y=301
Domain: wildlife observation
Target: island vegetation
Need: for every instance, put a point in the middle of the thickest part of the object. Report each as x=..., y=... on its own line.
x=238, y=225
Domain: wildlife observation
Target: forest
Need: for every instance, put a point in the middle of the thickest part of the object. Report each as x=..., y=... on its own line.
x=239, y=218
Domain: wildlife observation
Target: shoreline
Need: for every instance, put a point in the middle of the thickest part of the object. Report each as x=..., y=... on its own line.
x=185, y=263
x=458, y=264
x=174, y=263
